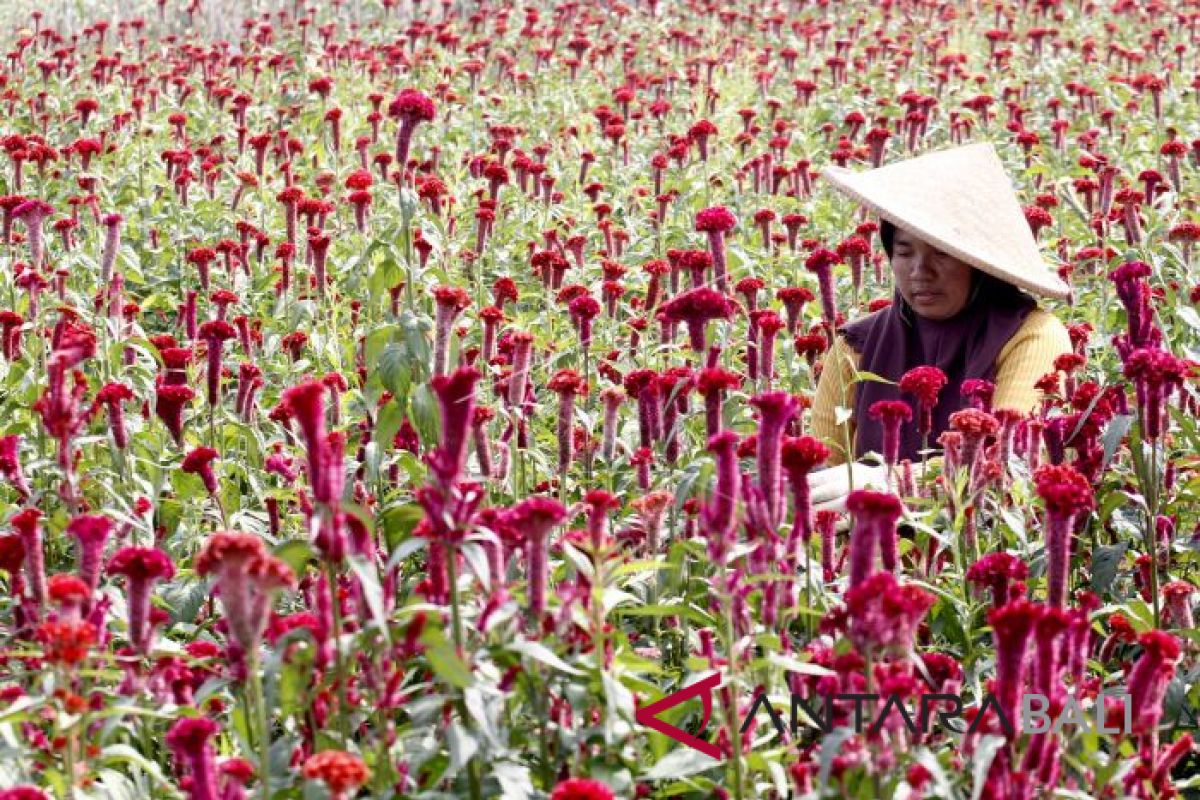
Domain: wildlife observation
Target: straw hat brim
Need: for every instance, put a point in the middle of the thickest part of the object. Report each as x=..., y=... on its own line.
x=961, y=201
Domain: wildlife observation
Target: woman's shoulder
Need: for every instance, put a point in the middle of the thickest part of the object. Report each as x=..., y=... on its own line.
x=1044, y=327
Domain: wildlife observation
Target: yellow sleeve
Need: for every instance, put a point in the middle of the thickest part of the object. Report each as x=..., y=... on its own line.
x=835, y=388
x=1029, y=355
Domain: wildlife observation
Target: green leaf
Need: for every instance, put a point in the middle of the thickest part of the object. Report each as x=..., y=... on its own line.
x=1105, y=561
x=391, y=417
x=368, y=580
x=449, y=667
x=296, y=553
x=539, y=652
x=680, y=763
x=425, y=415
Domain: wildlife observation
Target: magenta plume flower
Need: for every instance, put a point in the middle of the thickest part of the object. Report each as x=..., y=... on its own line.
x=875, y=515
x=456, y=399
x=997, y=571
x=1066, y=493
x=1149, y=678
x=247, y=577
x=696, y=308
x=198, y=462
x=776, y=410
x=92, y=532
x=924, y=383
x=884, y=614
x=189, y=739
x=1012, y=626
x=141, y=566
x=890, y=414
x=820, y=262
x=717, y=222
x=535, y=518
x=411, y=108
x=801, y=454
x=169, y=403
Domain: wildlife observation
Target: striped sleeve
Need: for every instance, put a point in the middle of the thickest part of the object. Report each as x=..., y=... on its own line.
x=1029, y=355
x=835, y=388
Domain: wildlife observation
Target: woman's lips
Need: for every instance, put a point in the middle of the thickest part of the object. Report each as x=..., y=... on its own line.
x=926, y=297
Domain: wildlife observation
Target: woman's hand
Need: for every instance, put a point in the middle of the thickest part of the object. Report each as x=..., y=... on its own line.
x=830, y=487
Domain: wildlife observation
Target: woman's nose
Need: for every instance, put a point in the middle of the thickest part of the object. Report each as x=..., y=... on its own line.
x=921, y=265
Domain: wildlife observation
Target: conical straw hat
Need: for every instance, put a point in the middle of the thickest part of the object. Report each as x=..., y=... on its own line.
x=961, y=201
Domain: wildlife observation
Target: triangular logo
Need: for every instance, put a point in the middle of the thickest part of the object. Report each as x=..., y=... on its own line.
x=648, y=715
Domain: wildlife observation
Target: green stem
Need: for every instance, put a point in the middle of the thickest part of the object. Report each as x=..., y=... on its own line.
x=259, y=704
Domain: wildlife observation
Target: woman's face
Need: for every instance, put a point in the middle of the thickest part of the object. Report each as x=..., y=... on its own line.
x=935, y=284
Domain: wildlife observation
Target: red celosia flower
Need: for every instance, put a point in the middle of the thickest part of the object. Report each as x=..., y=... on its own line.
x=341, y=772
x=141, y=566
x=92, y=531
x=995, y=571
x=716, y=222
x=246, y=578
x=775, y=411
x=66, y=641
x=884, y=614
x=800, y=455
x=189, y=739
x=199, y=462
x=581, y=789
x=820, y=262
x=696, y=308
x=537, y=517
x=890, y=414
x=456, y=398
x=1066, y=494
x=169, y=403
x=411, y=107
x=1149, y=678
x=925, y=383
x=1012, y=625
x=875, y=515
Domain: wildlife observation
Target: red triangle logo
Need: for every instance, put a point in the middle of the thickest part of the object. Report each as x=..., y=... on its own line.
x=648, y=715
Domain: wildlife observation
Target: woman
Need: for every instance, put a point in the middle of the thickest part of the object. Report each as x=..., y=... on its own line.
x=963, y=259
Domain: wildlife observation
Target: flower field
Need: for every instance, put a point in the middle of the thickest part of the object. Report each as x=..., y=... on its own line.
x=398, y=396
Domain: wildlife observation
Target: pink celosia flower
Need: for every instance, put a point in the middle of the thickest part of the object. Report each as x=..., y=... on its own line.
x=537, y=517
x=199, y=462
x=696, y=308
x=189, y=739
x=141, y=566
x=925, y=383
x=91, y=531
x=1066, y=494
x=776, y=410
x=875, y=515
x=456, y=398
x=884, y=614
x=890, y=414
x=717, y=222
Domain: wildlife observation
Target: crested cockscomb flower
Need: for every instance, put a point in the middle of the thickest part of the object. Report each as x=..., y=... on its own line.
x=581, y=789
x=450, y=302
x=1012, y=626
x=769, y=325
x=890, y=414
x=793, y=298
x=247, y=577
x=522, y=354
x=820, y=262
x=884, y=614
x=410, y=107
x=996, y=571
x=141, y=566
x=189, y=739
x=169, y=402
x=66, y=640
x=1178, y=596
x=696, y=308
x=112, y=245
x=537, y=517
x=776, y=410
x=1134, y=293
x=215, y=333
x=33, y=213
x=26, y=522
x=1149, y=677
x=976, y=428
x=611, y=397
x=198, y=462
x=584, y=309
x=652, y=508
x=341, y=772
x=978, y=393
x=567, y=384
x=643, y=385
x=10, y=464
x=875, y=515
x=456, y=399
x=713, y=383
x=924, y=383
x=92, y=532
x=1156, y=375
x=719, y=512
x=305, y=403
x=111, y=396
x=1066, y=494
x=801, y=454
x=717, y=222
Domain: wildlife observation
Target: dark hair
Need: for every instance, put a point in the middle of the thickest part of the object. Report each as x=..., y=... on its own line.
x=887, y=232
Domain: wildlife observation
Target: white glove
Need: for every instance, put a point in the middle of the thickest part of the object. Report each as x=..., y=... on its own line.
x=830, y=487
